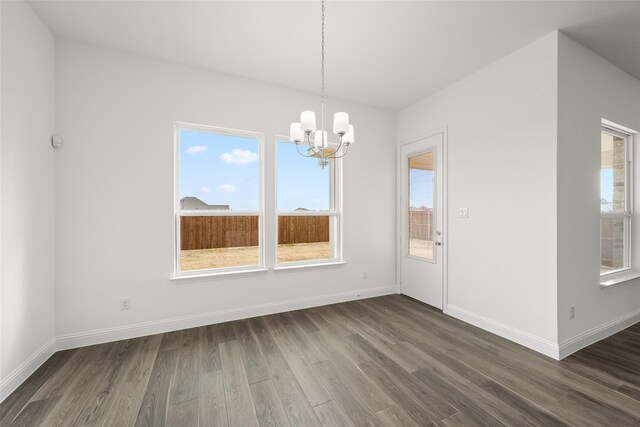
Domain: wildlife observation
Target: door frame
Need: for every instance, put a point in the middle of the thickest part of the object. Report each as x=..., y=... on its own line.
x=445, y=208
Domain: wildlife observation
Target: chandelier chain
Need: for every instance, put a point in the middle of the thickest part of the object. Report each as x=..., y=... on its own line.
x=322, y=72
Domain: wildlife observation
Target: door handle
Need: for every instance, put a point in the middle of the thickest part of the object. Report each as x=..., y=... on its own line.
x=438, y=243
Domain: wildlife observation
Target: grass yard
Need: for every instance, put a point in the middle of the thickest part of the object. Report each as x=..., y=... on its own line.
x=201, y=259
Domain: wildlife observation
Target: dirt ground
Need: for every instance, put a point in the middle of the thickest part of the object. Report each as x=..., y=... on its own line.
x=421, y=248
x=201, y=259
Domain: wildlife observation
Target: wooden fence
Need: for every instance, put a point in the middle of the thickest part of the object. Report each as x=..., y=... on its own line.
x=303, y=229
x=206, y=232
x=420, y=225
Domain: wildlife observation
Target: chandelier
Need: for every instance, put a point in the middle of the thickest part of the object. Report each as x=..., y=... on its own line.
x=301, y=131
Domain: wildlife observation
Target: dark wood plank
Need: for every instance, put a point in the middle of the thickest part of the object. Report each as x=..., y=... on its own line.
x=334, y=339
x=58, y=384
x=184, y=386
x=50, y=369
x=225, y=332
x=209, y=350
x=34, y=413
x=461, y=419
x=212, y=408
x=591, y=411
x=268, y=406
x=183, y=414
x=431, y=401
x=154, y=407
x=535, y=413
x=298, y=409
x=254, y=364
x=171, y=341
x=122, y=409
x=458, y=397
x=631, y=391
x=402, y=396
x=343, y=393
x=240, y=409
x=394, y=417
x=313, y=352
x=307, y=378
x=99, y=396
x=332, y=415
x=77, y=397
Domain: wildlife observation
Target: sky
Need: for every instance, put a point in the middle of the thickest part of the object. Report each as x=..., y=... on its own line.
x=224, y=170
x=302, y=183
x=420, y=188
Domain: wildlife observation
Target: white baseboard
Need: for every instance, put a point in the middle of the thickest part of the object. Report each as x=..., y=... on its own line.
x=598, y=333
x=541, y=345
x=100, y=336
x=26, y=368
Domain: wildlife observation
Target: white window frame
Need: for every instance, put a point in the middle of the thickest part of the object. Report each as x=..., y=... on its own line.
x=335, y=212
x=178, y=213
x=627, y=215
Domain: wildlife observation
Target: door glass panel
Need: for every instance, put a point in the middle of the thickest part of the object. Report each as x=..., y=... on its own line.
x=421, y=219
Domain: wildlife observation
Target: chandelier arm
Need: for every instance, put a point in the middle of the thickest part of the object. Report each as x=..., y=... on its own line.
x=303, y=155
x=344, y=153
x=309, y=141
x=329, y=156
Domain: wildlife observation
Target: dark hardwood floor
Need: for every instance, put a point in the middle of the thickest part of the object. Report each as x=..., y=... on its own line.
x=383, y=361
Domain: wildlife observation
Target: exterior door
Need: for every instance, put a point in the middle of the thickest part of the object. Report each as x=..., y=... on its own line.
x=421, y=204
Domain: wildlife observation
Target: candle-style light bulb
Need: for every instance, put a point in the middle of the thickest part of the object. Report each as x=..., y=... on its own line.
x=308, y=121
x=340, y=123
x=295, y=133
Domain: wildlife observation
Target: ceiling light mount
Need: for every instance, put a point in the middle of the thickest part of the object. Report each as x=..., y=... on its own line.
x=300, y=132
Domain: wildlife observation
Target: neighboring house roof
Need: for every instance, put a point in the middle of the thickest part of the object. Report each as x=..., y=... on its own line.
x=302, y=209
x=195, y=204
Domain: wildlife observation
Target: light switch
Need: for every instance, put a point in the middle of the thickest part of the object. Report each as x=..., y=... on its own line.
x=463, y=213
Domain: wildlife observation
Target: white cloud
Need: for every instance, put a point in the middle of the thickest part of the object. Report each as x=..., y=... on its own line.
x=205, y=190
x=239, y=157
x=196, y=149
x=227, y=188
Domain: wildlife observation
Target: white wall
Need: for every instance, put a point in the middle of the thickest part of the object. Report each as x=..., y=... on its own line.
x=590, y=89
x=501, y=165
x=27, y=242
x=114, y=193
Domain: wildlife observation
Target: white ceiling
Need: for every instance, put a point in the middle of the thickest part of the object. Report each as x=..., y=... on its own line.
x=387, y=53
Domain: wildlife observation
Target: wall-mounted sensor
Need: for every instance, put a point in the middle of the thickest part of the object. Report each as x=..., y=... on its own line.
x=56, y=141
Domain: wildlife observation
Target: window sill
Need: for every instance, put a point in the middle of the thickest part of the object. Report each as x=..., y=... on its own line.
x=285, y=267
x=617, y=279
x=216, y=275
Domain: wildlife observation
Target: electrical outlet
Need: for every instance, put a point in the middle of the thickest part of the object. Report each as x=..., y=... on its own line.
x=463, y=213
x=572, y=312
x=125, y=303
x=365, y=274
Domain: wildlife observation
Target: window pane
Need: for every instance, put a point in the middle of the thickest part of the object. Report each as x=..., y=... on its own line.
x=218, y=242
x=612, y=232
x=612, y=173
x=421, y=196
x=302, y=184
x=304, y=238
x=218, y=172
